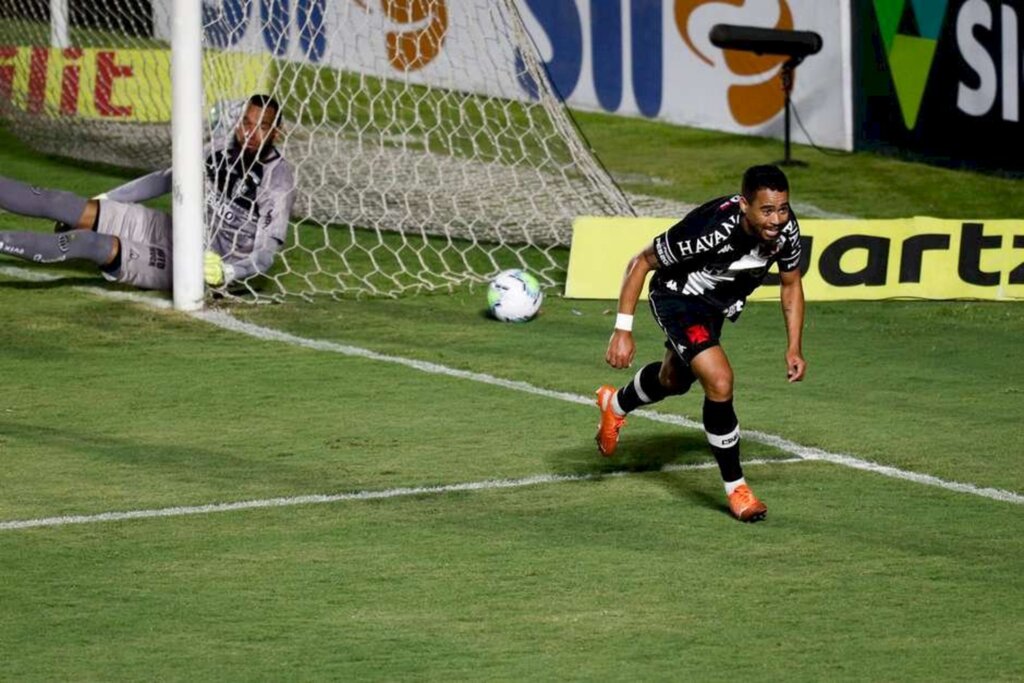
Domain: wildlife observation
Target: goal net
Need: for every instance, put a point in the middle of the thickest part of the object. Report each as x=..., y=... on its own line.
x=428, y=144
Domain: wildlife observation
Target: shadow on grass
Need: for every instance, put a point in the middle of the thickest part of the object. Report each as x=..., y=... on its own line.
x=650, y=454
x=184, y=462
x=65, y=282
x=32, y=279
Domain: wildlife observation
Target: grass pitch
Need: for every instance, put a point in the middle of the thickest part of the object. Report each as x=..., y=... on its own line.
x=633, y=573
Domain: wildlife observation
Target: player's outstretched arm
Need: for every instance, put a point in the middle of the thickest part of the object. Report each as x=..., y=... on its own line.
x=621, y=347
x=149, y=186
x=792, y=295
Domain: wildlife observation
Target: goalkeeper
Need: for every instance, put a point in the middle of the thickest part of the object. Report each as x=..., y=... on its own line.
x=250, y=190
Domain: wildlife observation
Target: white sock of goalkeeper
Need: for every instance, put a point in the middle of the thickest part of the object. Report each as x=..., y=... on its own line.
x=40, y=202
x=723, y=432
x=54, y=248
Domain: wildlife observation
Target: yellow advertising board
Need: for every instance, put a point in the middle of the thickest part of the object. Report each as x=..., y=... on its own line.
x=116, y=84
x=908, y=258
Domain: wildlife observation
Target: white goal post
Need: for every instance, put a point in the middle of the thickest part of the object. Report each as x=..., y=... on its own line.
x=187, y=154
x=429, y=146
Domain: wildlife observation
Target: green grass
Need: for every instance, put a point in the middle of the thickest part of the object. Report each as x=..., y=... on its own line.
x=616, y=580
x=854, y=576
x=693, y=165
x=895, y=376
x=109, y=406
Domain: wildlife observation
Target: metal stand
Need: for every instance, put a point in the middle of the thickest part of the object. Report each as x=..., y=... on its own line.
x=787, y=87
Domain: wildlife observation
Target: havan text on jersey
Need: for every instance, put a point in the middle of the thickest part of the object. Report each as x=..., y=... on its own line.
x=709, y=256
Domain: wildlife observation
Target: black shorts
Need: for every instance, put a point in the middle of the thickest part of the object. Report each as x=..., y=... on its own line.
x=690, y=325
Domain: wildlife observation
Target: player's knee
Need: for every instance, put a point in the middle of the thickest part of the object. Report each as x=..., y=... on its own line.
x=718, y=387
x=667, y=375
x=676, y=380
x=90, y=215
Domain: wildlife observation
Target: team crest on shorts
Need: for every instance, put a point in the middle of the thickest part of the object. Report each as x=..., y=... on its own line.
x=157, y=258
x=697, y=334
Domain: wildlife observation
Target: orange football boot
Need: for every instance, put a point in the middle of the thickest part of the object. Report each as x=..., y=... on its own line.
x=745, y=505
x=608, y=429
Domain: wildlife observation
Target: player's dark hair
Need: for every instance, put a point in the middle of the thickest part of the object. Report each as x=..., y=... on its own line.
x=766, y=177
x=267, y=102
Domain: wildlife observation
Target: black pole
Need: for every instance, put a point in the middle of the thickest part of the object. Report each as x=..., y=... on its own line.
x=787, y=88
x=787, y=80
x=796, y=45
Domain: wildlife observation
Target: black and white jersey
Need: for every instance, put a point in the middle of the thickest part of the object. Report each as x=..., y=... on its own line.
x=248, y=203
x=708, y=256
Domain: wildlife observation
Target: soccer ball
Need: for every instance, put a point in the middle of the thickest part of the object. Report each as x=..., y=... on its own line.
x=514, y=296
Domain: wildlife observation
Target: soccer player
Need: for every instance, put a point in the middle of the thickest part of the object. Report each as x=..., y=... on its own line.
x=250, y=190
x=704, y=267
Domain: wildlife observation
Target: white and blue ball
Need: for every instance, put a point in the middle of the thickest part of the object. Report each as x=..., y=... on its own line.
x=514, y=296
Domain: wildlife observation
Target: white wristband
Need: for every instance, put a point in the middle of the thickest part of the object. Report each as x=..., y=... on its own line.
x=624, y=321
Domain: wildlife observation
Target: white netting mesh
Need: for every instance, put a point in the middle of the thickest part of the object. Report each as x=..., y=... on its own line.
x=428, y=145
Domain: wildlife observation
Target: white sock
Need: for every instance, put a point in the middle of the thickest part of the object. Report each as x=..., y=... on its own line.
x=616, y=408
x=731, y=486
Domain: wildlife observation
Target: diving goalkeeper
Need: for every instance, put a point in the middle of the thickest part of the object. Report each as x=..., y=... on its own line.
x=250, y=190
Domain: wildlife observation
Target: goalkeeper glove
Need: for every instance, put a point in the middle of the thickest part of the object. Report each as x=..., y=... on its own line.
x=215, y=271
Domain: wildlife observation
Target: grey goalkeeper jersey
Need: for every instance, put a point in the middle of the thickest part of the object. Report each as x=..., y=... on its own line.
x=248, y=202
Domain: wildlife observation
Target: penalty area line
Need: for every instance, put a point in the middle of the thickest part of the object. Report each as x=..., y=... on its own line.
x=228, y=322
x=320, y=499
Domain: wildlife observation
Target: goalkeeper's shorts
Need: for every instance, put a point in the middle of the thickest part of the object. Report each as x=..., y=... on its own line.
x=146, y=247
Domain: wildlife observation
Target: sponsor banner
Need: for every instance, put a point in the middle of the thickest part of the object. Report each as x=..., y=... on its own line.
x=600, y=249
x=648, y=58
x=431, y=42
x=655, y=59
x=113, y=84
x=942, y=79
x=911, y=258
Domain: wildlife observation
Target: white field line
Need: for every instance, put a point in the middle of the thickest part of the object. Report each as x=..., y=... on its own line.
x=226, y=321
x=320, y=499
